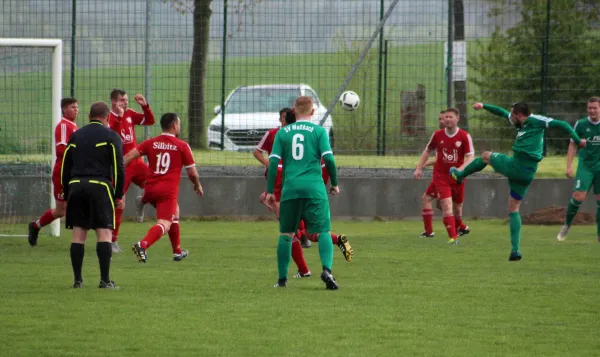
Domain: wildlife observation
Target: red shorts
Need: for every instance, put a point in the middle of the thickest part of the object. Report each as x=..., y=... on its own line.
x=137, y=171
x=57, y=183
x=441, y=189
x=165, y=204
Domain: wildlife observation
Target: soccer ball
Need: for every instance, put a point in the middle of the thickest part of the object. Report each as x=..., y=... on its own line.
x=349, y=100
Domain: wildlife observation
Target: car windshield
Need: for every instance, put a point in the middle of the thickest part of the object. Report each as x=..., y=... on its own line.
x=254, y=100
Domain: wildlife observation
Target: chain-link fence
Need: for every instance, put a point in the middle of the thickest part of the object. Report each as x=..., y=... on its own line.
x=256, y=56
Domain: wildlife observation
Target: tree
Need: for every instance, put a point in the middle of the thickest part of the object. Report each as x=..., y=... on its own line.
x=200, y=9
x=509, y=66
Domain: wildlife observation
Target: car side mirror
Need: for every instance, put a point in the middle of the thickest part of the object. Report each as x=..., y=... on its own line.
x=217, y=109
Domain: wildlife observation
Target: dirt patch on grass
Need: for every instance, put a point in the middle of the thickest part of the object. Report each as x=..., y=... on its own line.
x=555, y=215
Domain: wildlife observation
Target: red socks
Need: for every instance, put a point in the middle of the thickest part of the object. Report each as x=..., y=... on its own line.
x=459, y=223
x=118, y=215
x=44, y=220
x=334, y=239
x=154, y=234
x=298, y=256
x=450, y=226
x=174, y=236
x=428, y=220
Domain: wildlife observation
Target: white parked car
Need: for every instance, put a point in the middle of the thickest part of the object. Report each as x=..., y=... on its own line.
x=252, y=110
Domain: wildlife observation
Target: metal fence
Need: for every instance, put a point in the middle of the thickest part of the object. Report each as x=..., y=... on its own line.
x=543, y=52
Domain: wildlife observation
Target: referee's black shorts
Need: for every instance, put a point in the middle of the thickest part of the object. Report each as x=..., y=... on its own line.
x=90, y=204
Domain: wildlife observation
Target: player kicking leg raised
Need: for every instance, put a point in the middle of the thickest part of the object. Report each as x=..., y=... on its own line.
x=167, y=155
x=301, y=146
x=123, y=121
x=454, y=147
x=588, y=167
x=62, y=134
x=519, y=169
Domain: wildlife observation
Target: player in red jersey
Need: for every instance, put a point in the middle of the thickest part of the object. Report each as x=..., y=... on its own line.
x=167, y=155
x=123, y=121
x=454, y=148
x=286, y=117
x=62, y=133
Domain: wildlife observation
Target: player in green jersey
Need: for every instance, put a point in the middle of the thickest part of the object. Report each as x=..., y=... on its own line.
x=301, y=146
x=588, y=167
x=519, y=169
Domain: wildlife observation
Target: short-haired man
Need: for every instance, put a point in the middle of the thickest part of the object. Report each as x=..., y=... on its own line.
x=92, y=176
x=123, y=121
x=519, y=169
x=62, y=134
x=167, y=156
x=588, y=167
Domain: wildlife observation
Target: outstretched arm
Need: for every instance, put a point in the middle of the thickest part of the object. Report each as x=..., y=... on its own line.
x=501, y=112
x=564, y=126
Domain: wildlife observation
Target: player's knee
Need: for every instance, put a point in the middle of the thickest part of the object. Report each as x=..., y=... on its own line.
x=513, y=205
x=166, y=224
x=581, y=195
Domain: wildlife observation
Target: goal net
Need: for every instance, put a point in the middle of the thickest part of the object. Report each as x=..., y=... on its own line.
x=30, y=92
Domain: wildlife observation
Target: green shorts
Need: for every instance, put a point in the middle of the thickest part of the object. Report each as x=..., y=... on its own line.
x=314, y=212
x=519, y=176
x=586, y=178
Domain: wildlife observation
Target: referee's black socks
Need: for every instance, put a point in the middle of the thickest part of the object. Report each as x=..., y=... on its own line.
x=104, y=251
x=77, y=251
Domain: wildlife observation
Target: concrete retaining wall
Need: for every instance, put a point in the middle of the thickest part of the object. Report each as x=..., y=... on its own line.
x=361, y=198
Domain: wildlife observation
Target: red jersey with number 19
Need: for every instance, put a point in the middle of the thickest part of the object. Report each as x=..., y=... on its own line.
x=450, y=151
x=167, y=155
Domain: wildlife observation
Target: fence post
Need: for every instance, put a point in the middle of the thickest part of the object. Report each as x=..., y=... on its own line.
x=544, y=70
x=379, y=79
x=73, y=38
x=147, y=64
x=384, y=99
x=460, y=86
x=223, y=69
x=450, y=53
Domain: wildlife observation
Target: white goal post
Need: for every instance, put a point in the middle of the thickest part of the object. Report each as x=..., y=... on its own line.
x=57, y=54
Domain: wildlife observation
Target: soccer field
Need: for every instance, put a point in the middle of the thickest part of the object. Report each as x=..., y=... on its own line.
x=400, y=296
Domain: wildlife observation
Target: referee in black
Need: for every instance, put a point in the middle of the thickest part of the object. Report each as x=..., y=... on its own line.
x=92, y=178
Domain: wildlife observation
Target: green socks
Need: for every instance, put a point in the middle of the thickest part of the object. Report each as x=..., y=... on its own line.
x=284, y=255
x=475, y=166
x=598, y=218
x=515, y=230
x=325, y=250
x=572, y=211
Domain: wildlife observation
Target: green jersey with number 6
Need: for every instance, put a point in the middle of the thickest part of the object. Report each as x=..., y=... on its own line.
x=590, y=154
x=301, y=146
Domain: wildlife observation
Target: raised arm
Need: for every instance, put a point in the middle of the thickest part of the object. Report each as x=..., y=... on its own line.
x=492, y=109
x=147, y=117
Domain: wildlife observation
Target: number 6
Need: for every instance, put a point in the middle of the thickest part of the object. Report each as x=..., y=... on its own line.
x=297, y=147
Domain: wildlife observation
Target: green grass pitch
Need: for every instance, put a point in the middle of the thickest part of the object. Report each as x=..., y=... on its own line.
x=400, y=296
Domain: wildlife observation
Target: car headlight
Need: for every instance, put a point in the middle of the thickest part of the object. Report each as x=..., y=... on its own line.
x=216, y=127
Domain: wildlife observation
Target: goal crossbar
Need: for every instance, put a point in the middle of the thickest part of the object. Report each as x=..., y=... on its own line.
x=57, y=54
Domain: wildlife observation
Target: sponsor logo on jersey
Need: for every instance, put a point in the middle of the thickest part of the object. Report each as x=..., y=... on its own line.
x=520, y=133
x=450, y=156
x=164, y=146
x=127, y=136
